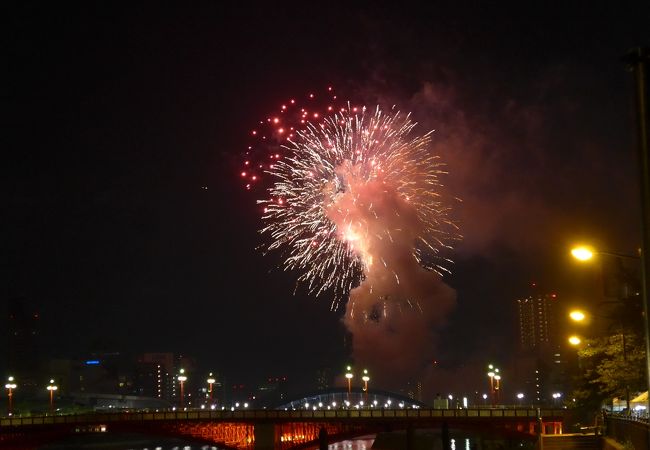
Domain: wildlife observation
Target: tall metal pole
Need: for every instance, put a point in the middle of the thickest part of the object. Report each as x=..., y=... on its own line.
x=627, y=386
x=638, y=61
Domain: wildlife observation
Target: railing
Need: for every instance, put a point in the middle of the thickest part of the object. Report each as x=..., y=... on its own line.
x=633, y=416
x=633, y=428
x=279, y=415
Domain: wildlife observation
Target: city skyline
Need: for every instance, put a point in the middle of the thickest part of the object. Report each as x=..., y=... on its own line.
x=127, y=222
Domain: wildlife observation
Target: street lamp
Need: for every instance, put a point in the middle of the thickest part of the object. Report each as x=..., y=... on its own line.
x=52, y=387
x=556, y=397
x=365, y=379
x=576, y=314
x=497, y=378
x=574, y=340
x=10, y=386
x=182, y=379
x=579, y=316
x=349, y=375
x=520, y=396
x=493, y=373
x=211, y=381
x=582, y=253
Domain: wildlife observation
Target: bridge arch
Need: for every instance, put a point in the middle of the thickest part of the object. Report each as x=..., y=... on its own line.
x=357, y=398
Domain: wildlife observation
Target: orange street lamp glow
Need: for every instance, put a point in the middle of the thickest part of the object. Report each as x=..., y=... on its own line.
x=575, y=340
x=348, y=375
x=582, y=253
x=365, y=379
x=10, y=386
x=52, y=387
x=577, y=315
x=211, y=380
x=182, y=379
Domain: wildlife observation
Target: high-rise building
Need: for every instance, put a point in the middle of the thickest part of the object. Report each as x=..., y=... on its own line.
x=537, y=321
x=156, y=375
x=539, y=367
x=23, y=343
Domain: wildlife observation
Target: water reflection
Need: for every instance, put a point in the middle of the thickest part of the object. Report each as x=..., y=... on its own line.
x=362, y=443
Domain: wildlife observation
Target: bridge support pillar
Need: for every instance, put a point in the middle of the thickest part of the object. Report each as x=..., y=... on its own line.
x=322, y=439
x=444, y=435
x=265, y=436
x=410, y=437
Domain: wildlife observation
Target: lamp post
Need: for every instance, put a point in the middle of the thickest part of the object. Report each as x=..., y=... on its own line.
x=52, y=387
x=365, y=379
x=10, y=386
x=580, y=316
x=182, y=379
x=210, y=381
x=497, y=387
x=520, y=397
x=349, y=375
x=586, y=253
x=638, y=61
x=494, y=375
x=556, y=397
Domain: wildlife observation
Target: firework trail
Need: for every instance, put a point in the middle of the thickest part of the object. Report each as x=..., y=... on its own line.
x=357, y=209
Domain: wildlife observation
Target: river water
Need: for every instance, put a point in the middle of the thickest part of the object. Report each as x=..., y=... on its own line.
x=386, y=441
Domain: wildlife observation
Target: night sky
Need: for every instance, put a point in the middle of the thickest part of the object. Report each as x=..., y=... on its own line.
x=116, y=117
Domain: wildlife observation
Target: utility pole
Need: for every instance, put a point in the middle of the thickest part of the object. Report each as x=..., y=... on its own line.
x=638, y=61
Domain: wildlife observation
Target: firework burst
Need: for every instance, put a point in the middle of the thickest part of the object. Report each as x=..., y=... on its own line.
x=355, y=196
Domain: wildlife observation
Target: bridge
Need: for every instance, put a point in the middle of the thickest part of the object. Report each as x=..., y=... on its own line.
x=279, y=429
x=353, y=398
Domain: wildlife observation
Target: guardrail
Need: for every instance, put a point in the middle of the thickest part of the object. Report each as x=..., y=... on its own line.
x=634, y=428
x=279, y=415
x=641, y=417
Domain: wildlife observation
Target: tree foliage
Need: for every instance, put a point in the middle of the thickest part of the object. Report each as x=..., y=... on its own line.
x=607, y=371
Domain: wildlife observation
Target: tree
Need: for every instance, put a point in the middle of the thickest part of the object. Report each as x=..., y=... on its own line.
x=608, y=371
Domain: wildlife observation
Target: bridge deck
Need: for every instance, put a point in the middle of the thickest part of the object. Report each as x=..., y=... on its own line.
x=287, y=416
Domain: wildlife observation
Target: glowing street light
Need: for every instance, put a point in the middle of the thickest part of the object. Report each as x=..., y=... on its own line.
x=520, y=396
x=211, y=381
x=556, y=397
x=10, y=386
x=497, y=378
x=494, y=375
x=582, y=253
x=182, y=379
x=575, y=340
x=52, y=387
x=365, y=379
x=577, y=316
x=349, y=375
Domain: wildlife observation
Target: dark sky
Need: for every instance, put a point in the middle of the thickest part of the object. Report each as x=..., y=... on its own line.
x=117, y=115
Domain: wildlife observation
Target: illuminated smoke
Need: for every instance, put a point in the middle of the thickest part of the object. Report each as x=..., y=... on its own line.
x=357, y=209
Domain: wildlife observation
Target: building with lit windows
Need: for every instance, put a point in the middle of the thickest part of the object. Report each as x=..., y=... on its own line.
x=537, y=321
x=539, y=370
x=156, y=375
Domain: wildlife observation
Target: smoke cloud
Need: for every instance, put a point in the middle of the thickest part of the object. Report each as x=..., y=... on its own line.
x=395, y=313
